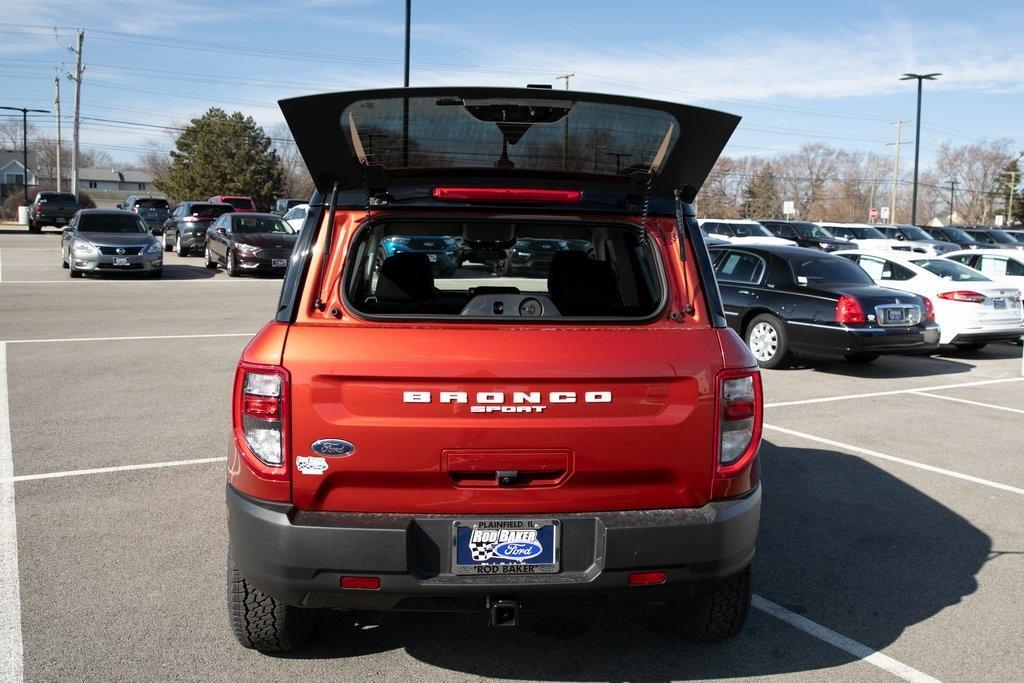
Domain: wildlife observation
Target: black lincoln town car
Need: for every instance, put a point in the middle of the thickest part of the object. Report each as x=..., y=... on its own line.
x=790, y=301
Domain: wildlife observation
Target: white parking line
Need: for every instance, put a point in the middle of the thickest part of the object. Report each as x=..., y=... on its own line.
x=893, y=458
x=137, y=338
x=108, y=470
x=11, y=663
x=973, y=403
x=828, y=399
x=858, y=650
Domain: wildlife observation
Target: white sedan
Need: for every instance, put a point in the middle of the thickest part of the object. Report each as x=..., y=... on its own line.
x=1001, y=265
x=296, y=216
x=971, y=308
x=739, y=231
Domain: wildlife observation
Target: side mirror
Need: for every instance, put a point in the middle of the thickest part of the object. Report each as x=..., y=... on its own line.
x=221, y=231
x=120, y=206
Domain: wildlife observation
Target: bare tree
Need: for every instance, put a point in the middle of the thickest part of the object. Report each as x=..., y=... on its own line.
x=976, y=169
x=296, y=181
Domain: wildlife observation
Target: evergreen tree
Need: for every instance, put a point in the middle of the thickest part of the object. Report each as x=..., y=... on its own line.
x=218, y=153
x=761, y=197
x=1003, y=190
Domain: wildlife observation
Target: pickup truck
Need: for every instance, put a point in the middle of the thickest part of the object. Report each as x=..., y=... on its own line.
x=52, y=208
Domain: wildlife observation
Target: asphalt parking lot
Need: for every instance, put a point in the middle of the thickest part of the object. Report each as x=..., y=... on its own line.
x=892, y=540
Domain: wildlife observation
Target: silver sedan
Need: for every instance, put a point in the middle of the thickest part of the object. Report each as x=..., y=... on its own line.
x=110, y=241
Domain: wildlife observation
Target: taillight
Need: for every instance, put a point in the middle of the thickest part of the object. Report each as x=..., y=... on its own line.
x=261, y=417
x=739, y=420
x=963, y=295
x=507, y=194
x=39, y=209
x=848, y=310
x=929, y=310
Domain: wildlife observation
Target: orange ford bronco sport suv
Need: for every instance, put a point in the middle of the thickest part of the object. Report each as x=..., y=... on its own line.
x=582, y=433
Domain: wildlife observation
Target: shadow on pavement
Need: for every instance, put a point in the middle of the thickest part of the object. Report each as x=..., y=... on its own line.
x=843, y=543
x=891, y=367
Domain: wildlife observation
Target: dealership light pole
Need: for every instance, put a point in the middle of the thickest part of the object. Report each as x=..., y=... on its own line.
x=920, y=78
x=24, y=143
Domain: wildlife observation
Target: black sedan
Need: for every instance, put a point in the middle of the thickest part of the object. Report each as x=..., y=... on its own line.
x=250, y=243
x=787, y=301
x=806, y=234
x=954, y=236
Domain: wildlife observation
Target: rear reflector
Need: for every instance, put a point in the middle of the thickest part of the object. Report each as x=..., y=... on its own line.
x=361, y=583
x=260, y=407
x=646, y=578
x=507, y=194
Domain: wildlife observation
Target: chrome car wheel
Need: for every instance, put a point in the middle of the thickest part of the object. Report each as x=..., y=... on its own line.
x=764, y=341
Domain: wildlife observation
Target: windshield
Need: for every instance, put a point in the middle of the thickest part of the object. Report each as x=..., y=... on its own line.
x=1000, y=236
x=151, y=204
x=503, y=271
x=812, y=231
x=827, y=270
x=958, y=235
x=912, y=232
x=751, y=230
x=240, y=202
x=950, y=270
x=867, y=233
x=261, y=224
x=57, y=198
x=111, y=222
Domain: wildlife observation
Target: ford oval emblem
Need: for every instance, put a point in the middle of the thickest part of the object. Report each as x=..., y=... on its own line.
x=335, y=447
x=517, y=550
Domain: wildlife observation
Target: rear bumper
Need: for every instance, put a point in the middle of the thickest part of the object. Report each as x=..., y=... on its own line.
x=300, y=557
x=828, y=339
x=1009, y=333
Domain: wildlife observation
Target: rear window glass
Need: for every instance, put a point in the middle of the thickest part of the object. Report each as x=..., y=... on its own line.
x=503, y=271
x=828, y=270
x=111, y=222
x=209, y=210
x=950, y=270
x=260, y=224
x=551, y=135
x=58, y=197
x=151, y=204
x=239, y=202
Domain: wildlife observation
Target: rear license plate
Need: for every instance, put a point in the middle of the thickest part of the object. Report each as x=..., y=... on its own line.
x=279, y=263
x=894, y=315
x=432, y=258
x=505, y=547
x=999, y=304
x=121, y=261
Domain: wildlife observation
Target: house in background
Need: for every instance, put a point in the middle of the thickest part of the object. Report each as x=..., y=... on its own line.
x=110, y=187
x=13, y=172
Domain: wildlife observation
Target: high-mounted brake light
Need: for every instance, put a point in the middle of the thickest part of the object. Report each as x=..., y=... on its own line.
x=849, y=311
x=261, y=416
x=964, y=295
x=739, y=420
x=507, y=195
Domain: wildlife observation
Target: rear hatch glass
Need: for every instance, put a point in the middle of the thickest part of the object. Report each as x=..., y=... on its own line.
x=503, y=271
x=151, y=204
x=57, y=198
x=210, y=210
x=240, y=202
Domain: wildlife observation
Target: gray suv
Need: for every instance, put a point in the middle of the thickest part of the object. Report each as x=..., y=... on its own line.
x=153, y=210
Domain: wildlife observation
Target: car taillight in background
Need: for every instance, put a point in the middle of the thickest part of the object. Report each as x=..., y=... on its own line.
x=739, y=421
x=964, y=295
x=39, y=209
x=929, y=310
x=849, y=310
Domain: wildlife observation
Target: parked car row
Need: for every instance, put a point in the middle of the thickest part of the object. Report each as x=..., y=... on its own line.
x=787, y=301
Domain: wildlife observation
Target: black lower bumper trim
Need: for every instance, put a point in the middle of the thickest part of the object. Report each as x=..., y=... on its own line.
x=299, y=557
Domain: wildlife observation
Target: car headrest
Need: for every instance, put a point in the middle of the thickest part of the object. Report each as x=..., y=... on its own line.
x=580, y=285
x=405, y=277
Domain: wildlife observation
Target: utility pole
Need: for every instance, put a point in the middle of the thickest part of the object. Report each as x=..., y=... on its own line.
x=565, y=140
x=895, y=169
x=952, y=199
x=56, y=104
x=1010, y=199
x=920, y=78
x=24, y=144
x=77, y=78
x=408, y=34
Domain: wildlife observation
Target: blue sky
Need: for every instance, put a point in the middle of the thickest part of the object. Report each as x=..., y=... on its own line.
x=796, y=72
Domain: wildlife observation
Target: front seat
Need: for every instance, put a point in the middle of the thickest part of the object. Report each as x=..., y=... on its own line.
x=580, y=285
x=405, y=284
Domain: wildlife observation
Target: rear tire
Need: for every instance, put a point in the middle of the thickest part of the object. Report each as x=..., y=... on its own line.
x=715, y=616
x=972, y=346
x=34, y=227
x=181, y=250
x=766, y=337
x=862, y=358
x=260, y=622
